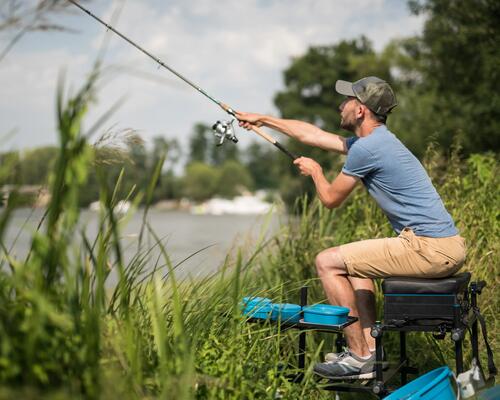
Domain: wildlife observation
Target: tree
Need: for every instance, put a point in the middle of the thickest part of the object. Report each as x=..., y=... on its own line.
x=264, y=165
x=168, y=185
x=310, y=80
x=200, y=181
x=459, y=65
x=36, y=164
x=220, y=154
x=169, y=148
x=10, y=168
x=233, y=179
x=198, y=144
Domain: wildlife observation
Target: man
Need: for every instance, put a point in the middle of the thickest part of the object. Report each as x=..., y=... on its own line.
x=427, y=245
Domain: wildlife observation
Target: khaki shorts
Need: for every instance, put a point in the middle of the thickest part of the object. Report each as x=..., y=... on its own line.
x=406, y=255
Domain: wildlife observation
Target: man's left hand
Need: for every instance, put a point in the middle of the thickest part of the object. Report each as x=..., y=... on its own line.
x=307, y=166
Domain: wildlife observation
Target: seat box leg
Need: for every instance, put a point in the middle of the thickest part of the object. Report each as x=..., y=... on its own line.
x=402, y=357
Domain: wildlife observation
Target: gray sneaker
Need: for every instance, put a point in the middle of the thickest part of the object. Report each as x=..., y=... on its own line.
x=334, y=357
x=349, y=366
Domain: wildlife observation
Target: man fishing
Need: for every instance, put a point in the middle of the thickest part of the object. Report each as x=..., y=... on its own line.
x=427, y=245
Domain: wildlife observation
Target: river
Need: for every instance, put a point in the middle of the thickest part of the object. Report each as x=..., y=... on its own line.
x=181, y=232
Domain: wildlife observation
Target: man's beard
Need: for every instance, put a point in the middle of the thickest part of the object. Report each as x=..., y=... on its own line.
x=347, y=125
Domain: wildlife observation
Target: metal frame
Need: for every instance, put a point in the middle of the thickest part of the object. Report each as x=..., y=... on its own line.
x=463, y=319
x=458, y=328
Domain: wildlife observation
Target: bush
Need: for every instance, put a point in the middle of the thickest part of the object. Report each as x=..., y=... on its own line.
x=200, y=181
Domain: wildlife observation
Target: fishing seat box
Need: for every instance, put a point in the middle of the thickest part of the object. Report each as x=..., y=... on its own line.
x=415, y=301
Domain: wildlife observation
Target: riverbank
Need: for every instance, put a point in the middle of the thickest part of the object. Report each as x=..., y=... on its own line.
x=157, y=335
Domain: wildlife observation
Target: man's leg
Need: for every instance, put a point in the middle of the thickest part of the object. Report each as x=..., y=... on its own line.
x=364, y=291
x=341, y=291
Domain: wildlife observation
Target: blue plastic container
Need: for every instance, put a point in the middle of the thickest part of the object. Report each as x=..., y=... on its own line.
x=325, y=314
x=286, y=312
x=257, y=307
x=434, y=385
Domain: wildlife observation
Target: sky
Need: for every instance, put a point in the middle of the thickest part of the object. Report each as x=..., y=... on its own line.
x=235, y=50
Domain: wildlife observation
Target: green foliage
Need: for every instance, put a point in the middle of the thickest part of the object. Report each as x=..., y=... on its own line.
x=229, y=151
x=213, y=170
x=11, y=171
x=198, y=144
x=36, y=165
x=309, y=95
x=135, y=164
x=65, y=335
x=42, y=345
x=449, y=76
x=203, y=181
x=233, y=178
x=461, y=65
x=446, y=82
x=310, y=80
x=263, y=165
x=200, y=181
x=151, y=336
x=470, y=191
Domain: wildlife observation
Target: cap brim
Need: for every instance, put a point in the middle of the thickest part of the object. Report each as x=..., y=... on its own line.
x=345, y=88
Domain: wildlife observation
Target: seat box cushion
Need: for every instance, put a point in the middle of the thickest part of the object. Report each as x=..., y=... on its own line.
x=451, y=285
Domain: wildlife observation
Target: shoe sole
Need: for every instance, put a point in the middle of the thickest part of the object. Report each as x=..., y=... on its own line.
x=367, y=375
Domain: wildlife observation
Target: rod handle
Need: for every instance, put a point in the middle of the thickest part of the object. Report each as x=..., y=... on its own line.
x=228, y=109
x=284, y=150
x=263, y=134
x=272, y=140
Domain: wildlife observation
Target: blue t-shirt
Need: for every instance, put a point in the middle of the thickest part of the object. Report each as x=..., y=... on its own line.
x=399, y=184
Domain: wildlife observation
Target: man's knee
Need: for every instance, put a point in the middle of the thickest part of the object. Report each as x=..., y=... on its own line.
x=330, y=261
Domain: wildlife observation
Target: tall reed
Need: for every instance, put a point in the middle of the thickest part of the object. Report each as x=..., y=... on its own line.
x=64, y=334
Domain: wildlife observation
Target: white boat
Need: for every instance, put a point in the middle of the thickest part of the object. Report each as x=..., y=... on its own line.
x=240, y=205
x=121, y=206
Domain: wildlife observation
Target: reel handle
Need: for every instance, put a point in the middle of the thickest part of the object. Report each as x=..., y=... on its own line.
x=261, y=133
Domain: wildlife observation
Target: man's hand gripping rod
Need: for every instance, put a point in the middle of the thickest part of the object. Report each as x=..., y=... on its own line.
x=226, y=108
x=260, y=132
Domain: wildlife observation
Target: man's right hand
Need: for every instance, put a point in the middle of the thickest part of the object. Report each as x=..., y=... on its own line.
x=247, y=120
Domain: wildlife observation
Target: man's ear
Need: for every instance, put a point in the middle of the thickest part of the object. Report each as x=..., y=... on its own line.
x=360, y=111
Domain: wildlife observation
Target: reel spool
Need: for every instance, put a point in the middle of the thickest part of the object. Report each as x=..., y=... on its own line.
x=224, y=130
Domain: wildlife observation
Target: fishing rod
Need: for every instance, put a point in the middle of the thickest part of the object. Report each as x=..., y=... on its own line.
x=222, y=129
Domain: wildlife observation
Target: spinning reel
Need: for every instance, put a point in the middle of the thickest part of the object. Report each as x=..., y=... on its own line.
x=224, y=130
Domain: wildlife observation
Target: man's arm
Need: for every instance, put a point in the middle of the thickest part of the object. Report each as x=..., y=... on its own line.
x=331, y=194
x=302, y=131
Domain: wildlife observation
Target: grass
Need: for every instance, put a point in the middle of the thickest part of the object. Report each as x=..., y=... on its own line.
x=65, y=336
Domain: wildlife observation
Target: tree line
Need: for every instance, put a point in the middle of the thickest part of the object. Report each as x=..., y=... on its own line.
x=448, y=89
x=209, y=171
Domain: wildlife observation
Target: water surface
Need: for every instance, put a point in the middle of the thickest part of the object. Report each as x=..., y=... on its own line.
x=181, y=232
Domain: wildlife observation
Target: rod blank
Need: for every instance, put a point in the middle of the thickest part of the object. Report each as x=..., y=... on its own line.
x=225, y=107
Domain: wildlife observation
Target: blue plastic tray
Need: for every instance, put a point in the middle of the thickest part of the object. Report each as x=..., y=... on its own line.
x=257, y=307
x=325, y=314
x=286, y=312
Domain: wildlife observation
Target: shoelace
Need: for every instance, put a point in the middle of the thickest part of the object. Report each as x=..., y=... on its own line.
x=341, y=355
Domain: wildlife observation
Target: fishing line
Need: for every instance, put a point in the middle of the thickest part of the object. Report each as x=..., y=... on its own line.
x=223, y=130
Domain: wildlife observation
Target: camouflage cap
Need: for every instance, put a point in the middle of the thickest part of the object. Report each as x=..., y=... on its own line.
x=373, y=92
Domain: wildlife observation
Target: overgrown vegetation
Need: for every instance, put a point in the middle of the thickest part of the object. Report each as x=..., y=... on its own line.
x=63, y=334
